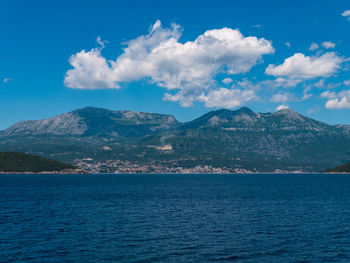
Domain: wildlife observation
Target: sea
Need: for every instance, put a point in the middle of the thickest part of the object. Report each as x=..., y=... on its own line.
x=175, y=218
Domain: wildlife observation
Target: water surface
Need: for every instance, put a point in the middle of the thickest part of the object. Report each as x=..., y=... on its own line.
x=175, y=218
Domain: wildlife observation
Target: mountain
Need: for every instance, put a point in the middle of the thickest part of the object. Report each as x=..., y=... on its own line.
x=21, y=162
x=345, y=168
x=221, y=141
x=242, y=118
x=91, y=121
x=282, y=140
x=245, y=119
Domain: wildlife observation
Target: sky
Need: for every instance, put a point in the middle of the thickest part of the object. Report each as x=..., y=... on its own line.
x=177, y=57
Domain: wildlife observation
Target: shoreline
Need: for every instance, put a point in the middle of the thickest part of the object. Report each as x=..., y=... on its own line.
x=88, y=173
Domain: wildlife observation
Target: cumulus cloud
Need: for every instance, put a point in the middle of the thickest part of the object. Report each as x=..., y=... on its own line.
x=313, y=46
x=347, y=82
x=300, y=67
x=91, y=71
x=338, y=101
x=159, y=56
x=282, y=107
x=328, y=44
x=288, y=44
x=227, y=98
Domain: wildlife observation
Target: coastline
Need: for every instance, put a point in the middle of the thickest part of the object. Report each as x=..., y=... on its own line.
x=66, y=171
x=92, y=173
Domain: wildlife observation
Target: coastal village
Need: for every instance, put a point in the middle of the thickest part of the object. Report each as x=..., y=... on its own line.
x=127, y=167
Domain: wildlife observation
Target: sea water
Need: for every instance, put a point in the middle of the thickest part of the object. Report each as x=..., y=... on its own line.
x=175, y=218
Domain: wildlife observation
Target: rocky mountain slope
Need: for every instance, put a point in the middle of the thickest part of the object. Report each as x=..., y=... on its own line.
x=91, y=121
x=245, y=119
x=239, y=140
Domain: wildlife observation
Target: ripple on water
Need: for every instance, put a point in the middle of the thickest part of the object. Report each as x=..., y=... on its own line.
x=175, y=218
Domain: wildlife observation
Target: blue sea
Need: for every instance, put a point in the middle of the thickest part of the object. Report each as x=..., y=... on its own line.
x=175, y=218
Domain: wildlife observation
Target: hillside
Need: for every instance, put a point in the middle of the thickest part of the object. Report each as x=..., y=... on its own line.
x=101, y=140
x=21, y=162
x=92, y=121
x=345, y=168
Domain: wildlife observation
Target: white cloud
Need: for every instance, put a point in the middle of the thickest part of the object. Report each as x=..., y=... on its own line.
x=227, y=98
x=156, y=25
x=285, y=97
x=306, y=94
x=101, y=42
x=257, y=26
x=284, y=82
x=227, y=80
x=6, y=80
x=91, y=71
x=329, y=95
x=320, y=84
x=313, y=46
x=340, y=100
x=346, y=13
x=282, y=107
x=185, y=97
x=240, y=93
x=300, y=67
x=288, y=44
x=347, y=82
x=188, y=67
x=323, y=85
x=281, y=97
x=307, y=89
x=313, y=110
x=328, y=44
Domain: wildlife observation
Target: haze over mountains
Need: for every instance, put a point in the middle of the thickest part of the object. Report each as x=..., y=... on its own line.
x=232, y=141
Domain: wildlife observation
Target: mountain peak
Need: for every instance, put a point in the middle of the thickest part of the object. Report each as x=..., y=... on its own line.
x=91, y=121
x=287, y=111
x=290, y=114
x=224, y=117
x=245, y=110
x=90, y=109
x=227, y=112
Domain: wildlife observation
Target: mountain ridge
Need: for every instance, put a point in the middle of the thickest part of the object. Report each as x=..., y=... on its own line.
x=228, y=140
x=74, y=124
x=77, y=123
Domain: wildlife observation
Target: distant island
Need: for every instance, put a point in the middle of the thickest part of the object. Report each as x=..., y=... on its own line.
x=15, y=162
x=222, y=141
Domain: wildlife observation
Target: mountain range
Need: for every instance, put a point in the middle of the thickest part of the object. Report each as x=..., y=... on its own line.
x=220, y=141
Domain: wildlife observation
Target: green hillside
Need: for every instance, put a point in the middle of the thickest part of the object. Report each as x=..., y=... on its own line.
x=22, y=162
x=100, y=140
x=345, y=168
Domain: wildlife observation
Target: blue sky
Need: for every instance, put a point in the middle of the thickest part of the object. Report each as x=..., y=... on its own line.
x=179, y=57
